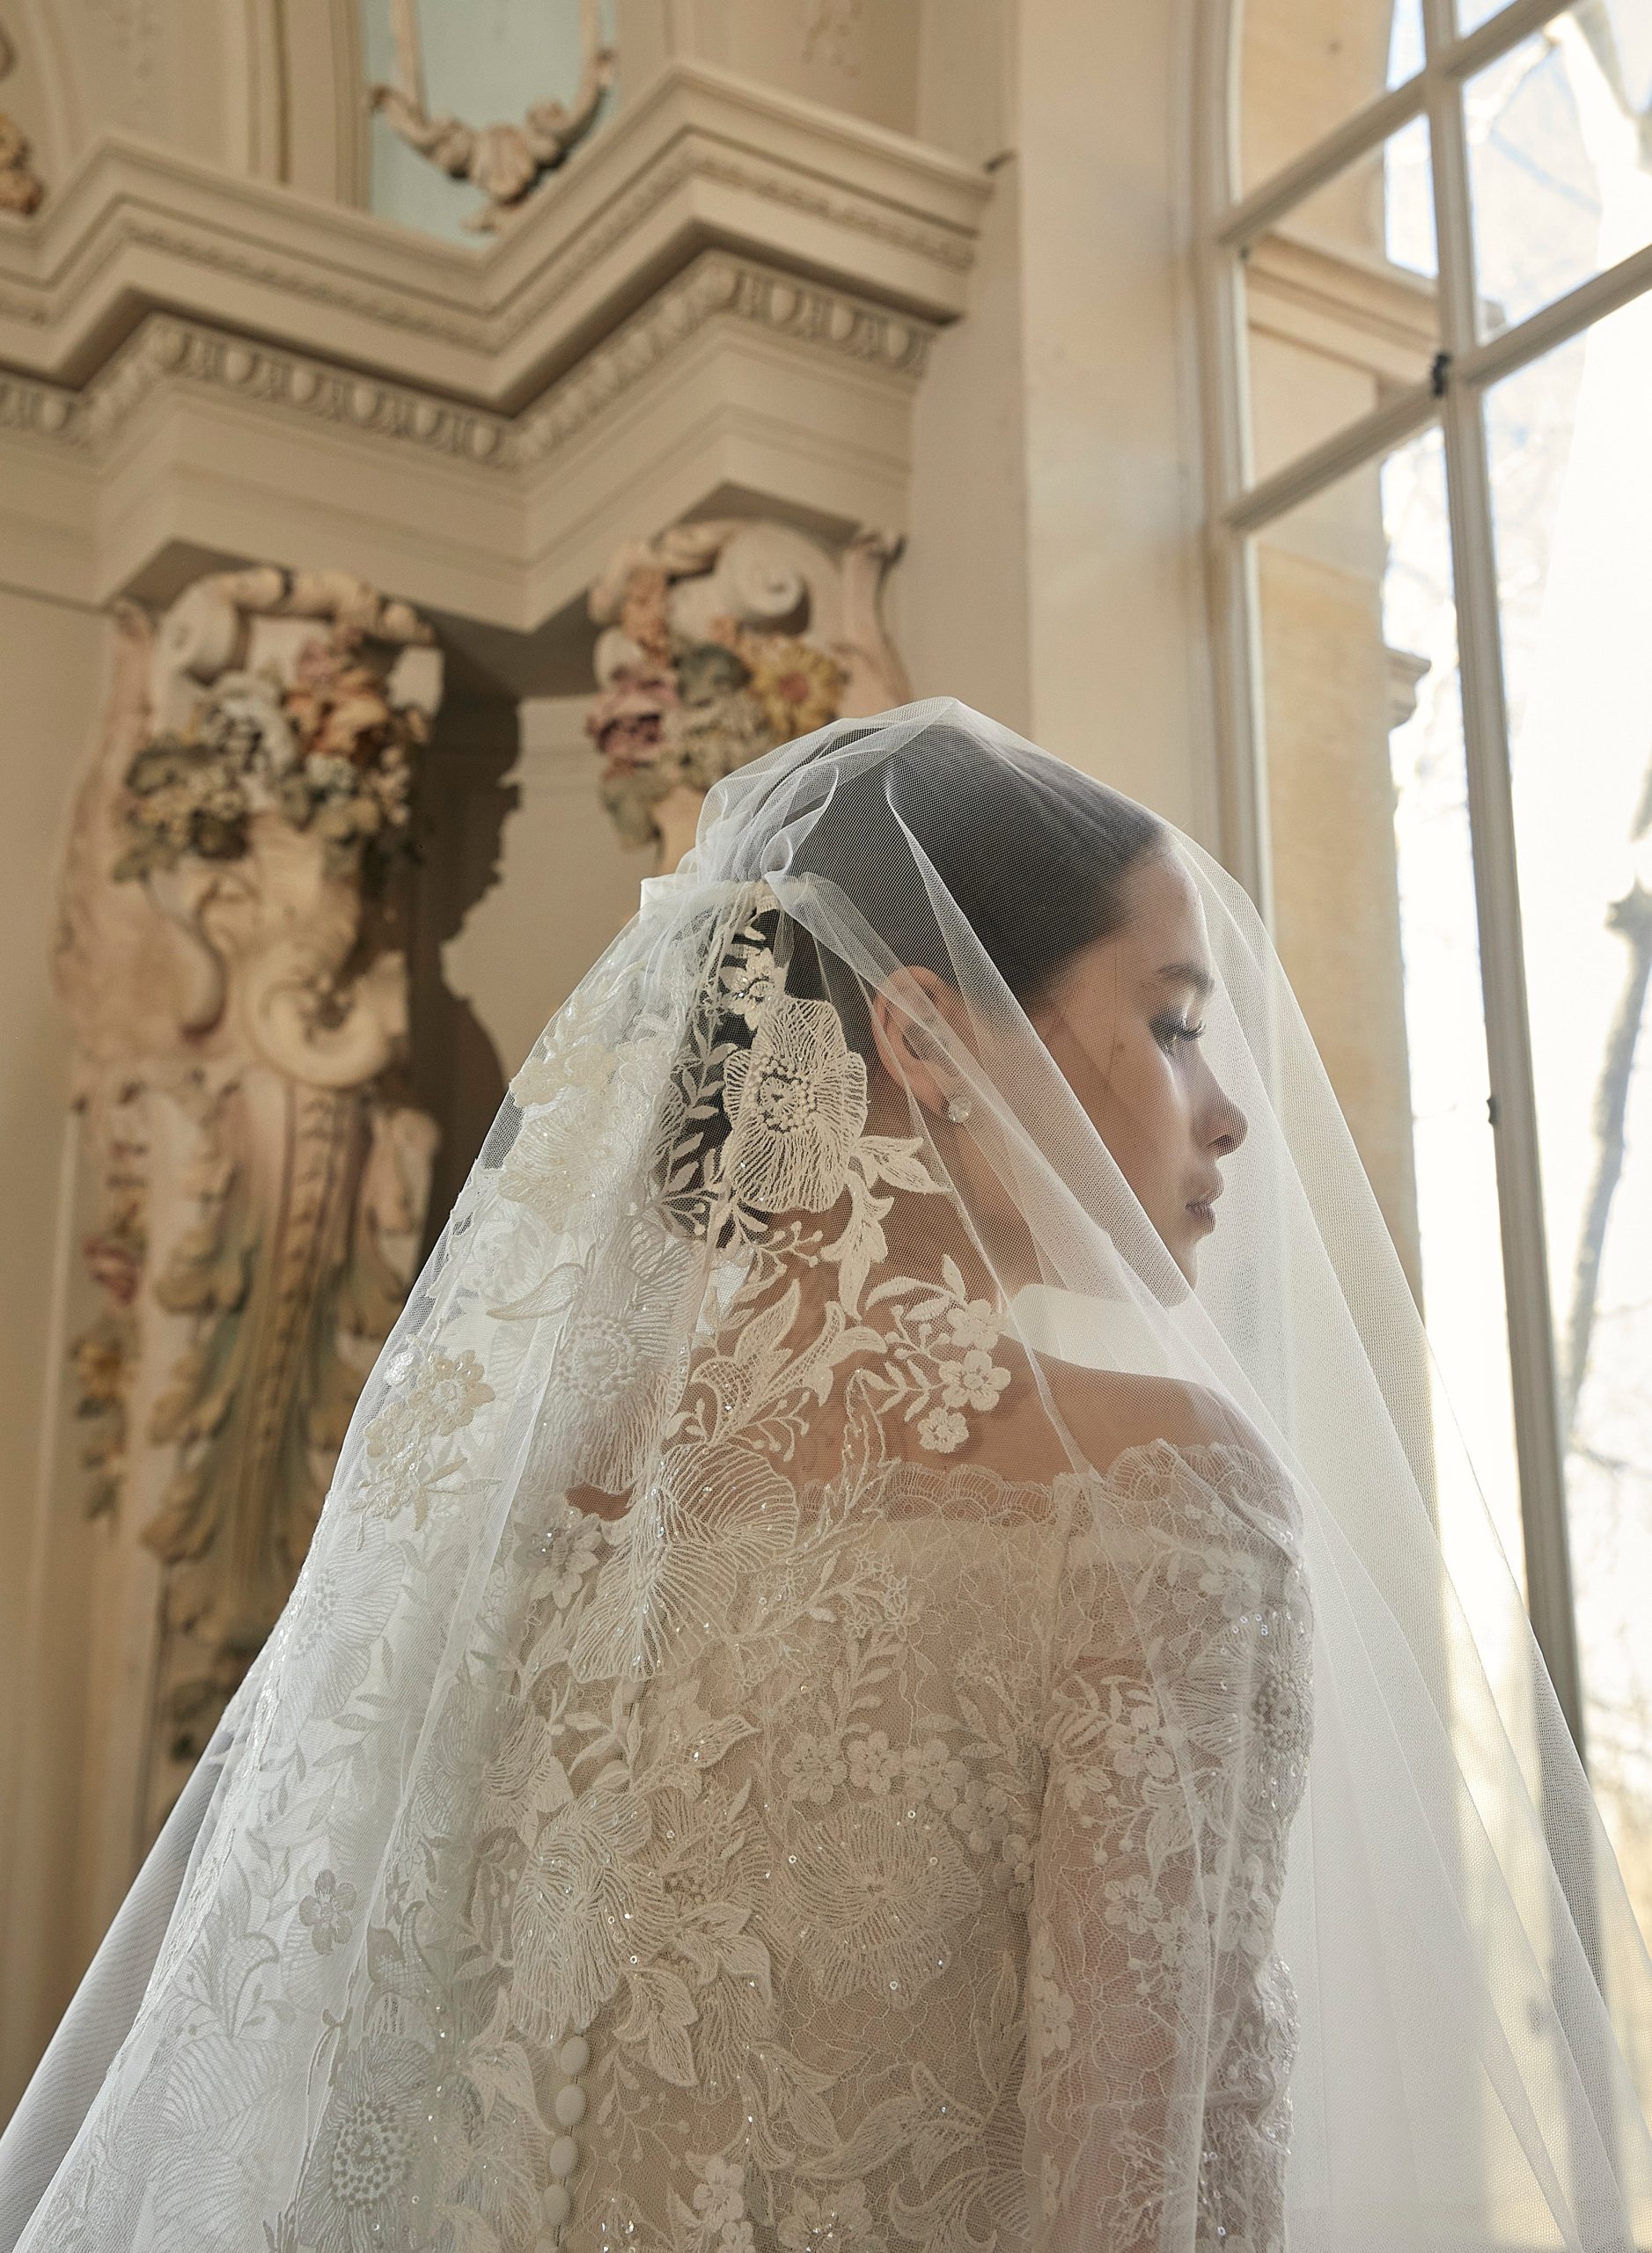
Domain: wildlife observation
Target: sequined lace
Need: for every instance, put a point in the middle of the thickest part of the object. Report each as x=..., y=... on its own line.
x=886, y=1858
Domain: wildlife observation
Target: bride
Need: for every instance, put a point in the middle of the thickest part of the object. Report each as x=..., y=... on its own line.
x=879, y=1670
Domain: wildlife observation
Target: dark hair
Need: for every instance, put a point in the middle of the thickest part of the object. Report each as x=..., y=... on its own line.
x=1033, y=852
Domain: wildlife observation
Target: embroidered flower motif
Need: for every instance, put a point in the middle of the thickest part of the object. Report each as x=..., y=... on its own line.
x=879, y=1895
x=1049, y=2006
x=342, y=1606
x=582, y=1903
x=1140, y=1738
x=719, y=2197
x=451, y=1392
x=974, y=1324
x=749, y=986
x=839, y=2220
x=620, y=1362
x=395, y=1469
x=975, y=1382
x=813, y=1767
x=799, y=1103
x=943, y=1431
x=713, y=1515
x=982, y=1815
x=873, y=1767
x=326, y=1910
x=595, y=1099
x=935, y=1775
x=1014, y=1873
x=560, y=1556
x=356, y=2192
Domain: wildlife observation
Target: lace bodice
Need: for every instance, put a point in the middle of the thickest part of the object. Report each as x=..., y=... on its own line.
x=880, y=1922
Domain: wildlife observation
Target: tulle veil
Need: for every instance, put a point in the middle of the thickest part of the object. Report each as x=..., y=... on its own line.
x=1221, y=1836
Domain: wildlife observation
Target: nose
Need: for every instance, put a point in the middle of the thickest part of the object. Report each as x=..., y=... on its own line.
x=1230, y=1124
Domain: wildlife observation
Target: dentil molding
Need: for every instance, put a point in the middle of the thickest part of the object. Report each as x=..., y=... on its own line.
x=166, y=351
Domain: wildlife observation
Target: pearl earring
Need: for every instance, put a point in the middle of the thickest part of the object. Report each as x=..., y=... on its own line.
x=958, y=1108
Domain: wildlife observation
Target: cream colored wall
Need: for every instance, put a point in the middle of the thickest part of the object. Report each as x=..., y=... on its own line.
x=1052, y=577
x=1116, y=653
x=52, y=667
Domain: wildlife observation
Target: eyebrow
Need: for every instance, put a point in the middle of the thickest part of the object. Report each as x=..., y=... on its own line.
x=1187, y=973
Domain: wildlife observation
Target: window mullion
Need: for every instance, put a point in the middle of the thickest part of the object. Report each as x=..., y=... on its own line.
x=1538, y=1431
x=1242, y=841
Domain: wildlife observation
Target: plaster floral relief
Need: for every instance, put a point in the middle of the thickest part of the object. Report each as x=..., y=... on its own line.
x=721, y=639
x=227, y=948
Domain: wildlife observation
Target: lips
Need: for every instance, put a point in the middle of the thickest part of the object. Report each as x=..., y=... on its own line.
x=1201, y=1206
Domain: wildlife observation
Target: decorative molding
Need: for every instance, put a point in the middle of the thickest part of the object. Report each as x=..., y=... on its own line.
x=821, y=319
x=166, y=351
x=507, y=162
x=184, y=353
x=43, y=410
x=721, y=640
x=22, y=190
x=240, y=1012
x=700, y=160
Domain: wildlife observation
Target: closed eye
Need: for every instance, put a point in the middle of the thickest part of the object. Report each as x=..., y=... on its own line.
x=1171, y=1029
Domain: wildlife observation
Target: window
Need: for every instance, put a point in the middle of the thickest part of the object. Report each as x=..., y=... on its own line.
x=1426, y=255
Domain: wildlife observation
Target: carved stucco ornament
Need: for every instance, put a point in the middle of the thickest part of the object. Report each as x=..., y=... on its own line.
x=721, y=640
x=506, y=162
x=21, y=187
x=226, y=947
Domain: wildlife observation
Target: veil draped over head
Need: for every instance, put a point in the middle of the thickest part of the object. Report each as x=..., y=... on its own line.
x=877, y=1673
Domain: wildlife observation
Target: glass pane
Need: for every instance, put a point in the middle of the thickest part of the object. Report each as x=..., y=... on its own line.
x=1341, y=303
x=1570, y=447
x=1559, y=133
x=1304, y=69
x=1375, y=922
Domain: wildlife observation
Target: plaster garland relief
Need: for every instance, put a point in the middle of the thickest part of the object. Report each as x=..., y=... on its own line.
x=227, y=950
x=22, y=189
x=721, y=639
x=506, y=162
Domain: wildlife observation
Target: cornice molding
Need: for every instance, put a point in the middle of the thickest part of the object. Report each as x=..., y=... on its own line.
x=700, y=159
x=169, y=353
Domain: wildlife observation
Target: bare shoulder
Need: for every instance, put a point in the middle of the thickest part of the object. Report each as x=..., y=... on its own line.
x=1109, y=1413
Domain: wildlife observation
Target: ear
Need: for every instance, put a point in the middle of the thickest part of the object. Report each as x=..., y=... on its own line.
x=898, y=1012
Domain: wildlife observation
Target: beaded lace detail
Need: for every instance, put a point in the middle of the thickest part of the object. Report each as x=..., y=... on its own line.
x=886, y=1858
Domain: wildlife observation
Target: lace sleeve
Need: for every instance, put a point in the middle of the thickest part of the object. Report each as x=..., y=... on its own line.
x=1161, y=2022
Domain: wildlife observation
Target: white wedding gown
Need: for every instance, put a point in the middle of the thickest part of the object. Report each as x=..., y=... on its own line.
x=882, y=1929
x=910, y=1824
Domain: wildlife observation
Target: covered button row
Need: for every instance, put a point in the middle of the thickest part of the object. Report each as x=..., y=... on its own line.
x=571, y=2058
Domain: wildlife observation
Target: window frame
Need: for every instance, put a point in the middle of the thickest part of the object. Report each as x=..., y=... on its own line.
x=1225, y=223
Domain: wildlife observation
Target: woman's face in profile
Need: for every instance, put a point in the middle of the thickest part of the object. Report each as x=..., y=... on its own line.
x=1123, y=1024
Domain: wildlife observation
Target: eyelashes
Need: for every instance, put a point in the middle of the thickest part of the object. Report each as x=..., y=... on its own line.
x=1171, y=1029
